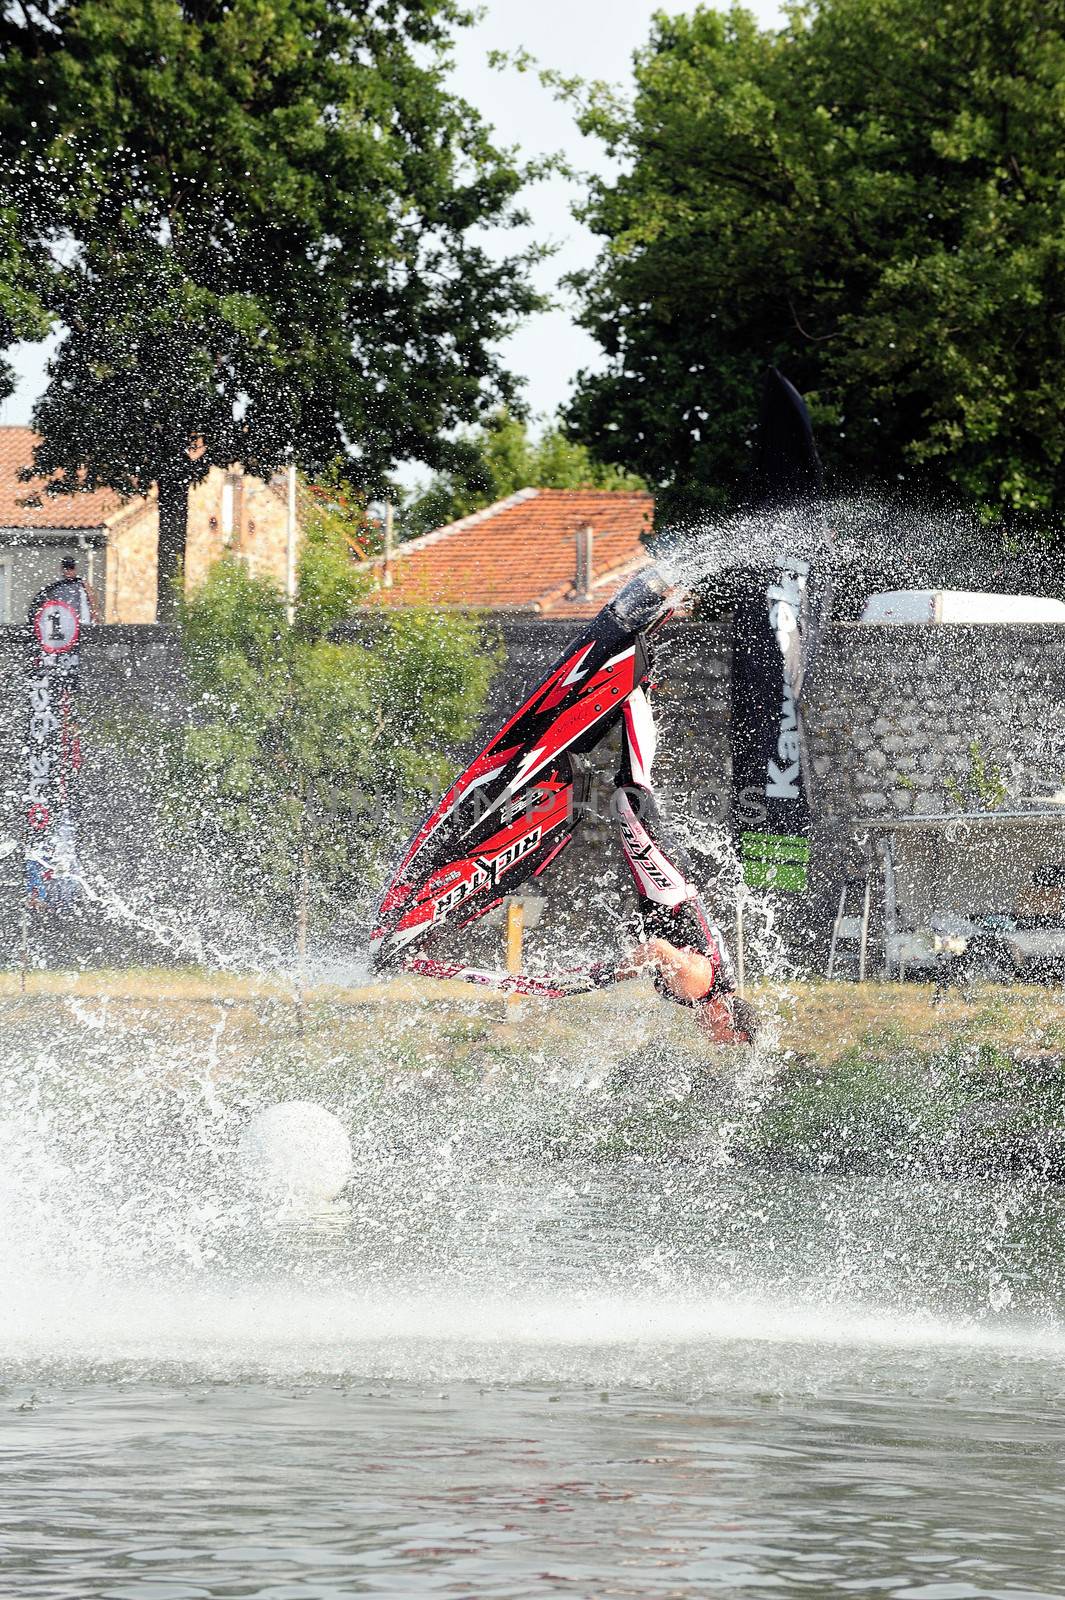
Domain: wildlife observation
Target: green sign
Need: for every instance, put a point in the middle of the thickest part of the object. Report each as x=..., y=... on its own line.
x=776, y=861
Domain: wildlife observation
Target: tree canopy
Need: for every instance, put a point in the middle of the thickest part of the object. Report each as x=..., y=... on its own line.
x=870, y=198
x=263, y=230
x=500, y=457
x=21, y=313
x=25, y=212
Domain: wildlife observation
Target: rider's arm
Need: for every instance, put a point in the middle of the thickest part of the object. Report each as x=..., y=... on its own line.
x=687, y=974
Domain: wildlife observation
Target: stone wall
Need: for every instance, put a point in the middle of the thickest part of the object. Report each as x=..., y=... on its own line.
x=928, y=720
x=132, y=551
x=901, y=721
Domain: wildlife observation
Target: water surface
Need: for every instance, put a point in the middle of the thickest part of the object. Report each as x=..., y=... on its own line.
x=527, y=1379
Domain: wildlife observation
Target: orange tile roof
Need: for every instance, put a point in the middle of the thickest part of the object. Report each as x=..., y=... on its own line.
x=520, y=554
x=85, y=510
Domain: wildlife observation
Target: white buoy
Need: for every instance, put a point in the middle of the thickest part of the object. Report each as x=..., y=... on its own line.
x=295, y=1151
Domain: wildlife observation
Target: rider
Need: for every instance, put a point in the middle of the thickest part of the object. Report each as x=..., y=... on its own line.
x=688, y=953
x=696, y=977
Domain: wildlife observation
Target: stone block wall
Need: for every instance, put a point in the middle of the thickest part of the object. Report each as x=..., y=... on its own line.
x=901, y=721
x=691, y=701
x=912, y=721
x=131, y=555
x=264, y=535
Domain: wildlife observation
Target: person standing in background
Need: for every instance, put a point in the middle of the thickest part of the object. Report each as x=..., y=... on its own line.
x=88, y=609
x=72, y=591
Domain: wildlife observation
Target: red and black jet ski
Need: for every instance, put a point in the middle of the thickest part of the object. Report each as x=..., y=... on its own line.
x=514, y=809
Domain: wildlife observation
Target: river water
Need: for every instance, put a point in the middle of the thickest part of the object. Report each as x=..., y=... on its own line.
x=512, y=1376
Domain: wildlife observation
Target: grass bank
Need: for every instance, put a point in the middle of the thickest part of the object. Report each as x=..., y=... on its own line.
x=855, y=1077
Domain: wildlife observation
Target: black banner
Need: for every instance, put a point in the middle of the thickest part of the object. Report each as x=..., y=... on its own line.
x=777, y=617
x=53, y=745
x=770, y=769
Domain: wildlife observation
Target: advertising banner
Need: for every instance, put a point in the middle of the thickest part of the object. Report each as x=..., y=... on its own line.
x=777, y=619
x=52, y=747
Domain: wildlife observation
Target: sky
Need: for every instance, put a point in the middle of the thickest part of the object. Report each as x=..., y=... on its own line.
x=589, y=38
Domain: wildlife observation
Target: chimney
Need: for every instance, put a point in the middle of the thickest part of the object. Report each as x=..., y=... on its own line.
x=582, y=588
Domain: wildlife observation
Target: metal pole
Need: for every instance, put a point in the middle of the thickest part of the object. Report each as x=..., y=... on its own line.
x=863, y=949
x=301, y=938
x=290, y=546
x=24, y=941
x=835, y=930
x=386, y=571
x=887, y=857
x=515, y=939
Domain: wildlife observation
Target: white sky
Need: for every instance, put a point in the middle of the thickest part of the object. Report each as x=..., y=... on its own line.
x=589, y=38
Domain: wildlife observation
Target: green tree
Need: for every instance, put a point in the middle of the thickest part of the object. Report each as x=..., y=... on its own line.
x=23, y=211
x=502, y=456
x=871, y=198
x=266, y=238
x=21, y=314
x=305, y=750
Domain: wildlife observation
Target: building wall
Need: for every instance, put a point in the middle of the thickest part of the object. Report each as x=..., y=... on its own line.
x=31, y=560
x=232, y=511
x=133, y=545
x=264, y=533
x=229, y=512
x=126, y=553
x=206, y=540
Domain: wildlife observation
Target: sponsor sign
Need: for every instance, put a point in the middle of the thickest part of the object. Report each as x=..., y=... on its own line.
x=52, y=747
x=770, y=770
x=56, y=627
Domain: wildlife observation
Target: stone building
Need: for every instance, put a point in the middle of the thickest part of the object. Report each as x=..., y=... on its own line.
x=115, y=540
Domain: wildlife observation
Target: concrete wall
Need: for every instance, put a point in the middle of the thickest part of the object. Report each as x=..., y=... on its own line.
x=120, y=667
x=123, y=671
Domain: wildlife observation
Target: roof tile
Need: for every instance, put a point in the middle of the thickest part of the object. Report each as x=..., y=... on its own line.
x=520, y=554
x=88, y=509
